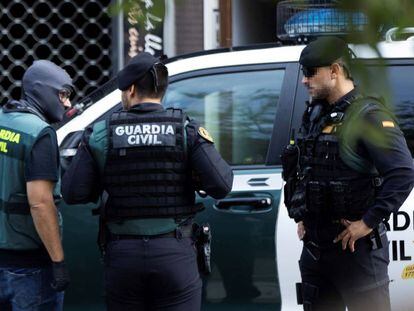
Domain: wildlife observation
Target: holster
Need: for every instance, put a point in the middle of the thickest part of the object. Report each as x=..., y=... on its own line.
x=306, y=295
x=103, y=232
x=375, y=236
x=103, y=236
x=202, y=235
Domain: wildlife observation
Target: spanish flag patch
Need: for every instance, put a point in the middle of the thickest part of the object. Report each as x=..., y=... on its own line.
x=388, y=124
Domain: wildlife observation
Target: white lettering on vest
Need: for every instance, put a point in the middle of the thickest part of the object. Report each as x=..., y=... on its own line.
x=156, y=141
x=155, y=129
x=145, y=134
x=144, y=138
x=129, y=130
x=146, y=129
x=132, y=140
x=119, y=131
x=170, y=130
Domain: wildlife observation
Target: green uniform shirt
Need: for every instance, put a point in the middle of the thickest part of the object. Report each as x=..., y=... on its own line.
x=148, y=226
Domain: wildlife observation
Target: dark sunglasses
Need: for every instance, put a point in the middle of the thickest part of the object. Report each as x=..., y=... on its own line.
x=309, y=72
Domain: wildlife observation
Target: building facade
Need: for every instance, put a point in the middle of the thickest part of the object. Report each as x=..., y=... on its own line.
x=93, y=39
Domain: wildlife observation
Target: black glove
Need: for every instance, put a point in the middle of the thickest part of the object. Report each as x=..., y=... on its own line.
x=61, y=278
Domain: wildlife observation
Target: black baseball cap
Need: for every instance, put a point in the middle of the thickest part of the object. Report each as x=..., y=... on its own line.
x=324, y=51
x=136, y=68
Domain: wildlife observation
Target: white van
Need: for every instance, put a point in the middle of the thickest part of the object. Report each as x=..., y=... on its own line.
x=249, y=99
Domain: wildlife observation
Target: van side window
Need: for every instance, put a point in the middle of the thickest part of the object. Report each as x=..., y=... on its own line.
x=402, y=96
x=238, y=109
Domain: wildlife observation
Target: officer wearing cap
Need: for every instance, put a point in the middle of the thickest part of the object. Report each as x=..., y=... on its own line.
x=354, y=170
x=148, y=161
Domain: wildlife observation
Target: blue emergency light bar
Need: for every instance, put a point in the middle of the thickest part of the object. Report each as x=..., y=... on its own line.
x=300, y=20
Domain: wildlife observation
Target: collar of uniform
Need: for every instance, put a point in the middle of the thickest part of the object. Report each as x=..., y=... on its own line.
x=21, y=106
x=342, y=103
x=145, y=107
x=348, y=96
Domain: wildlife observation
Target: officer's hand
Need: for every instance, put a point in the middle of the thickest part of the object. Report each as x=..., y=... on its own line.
x=354, y=231
x=301, y=230
x=60, y=276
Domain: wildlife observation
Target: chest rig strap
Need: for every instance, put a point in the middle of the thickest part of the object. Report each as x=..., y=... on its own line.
x=335, y=188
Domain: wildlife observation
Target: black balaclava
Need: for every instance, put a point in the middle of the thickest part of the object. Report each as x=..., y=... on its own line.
x=41, y=84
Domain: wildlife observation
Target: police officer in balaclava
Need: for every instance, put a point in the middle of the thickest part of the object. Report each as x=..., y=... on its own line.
x=30, y=223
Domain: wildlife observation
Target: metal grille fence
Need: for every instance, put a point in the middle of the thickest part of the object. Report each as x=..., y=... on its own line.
x=74, y=34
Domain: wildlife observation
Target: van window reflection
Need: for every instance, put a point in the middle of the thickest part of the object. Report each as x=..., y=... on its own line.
x=238, y=109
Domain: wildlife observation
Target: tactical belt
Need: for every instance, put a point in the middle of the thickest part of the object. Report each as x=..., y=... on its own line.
x=181, y=232
x=314, y=247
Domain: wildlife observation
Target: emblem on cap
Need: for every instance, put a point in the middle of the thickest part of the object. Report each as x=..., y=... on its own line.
x=205, y=134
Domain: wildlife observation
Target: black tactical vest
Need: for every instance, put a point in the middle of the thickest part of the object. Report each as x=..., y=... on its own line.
x=335, y=188
x=147, y=173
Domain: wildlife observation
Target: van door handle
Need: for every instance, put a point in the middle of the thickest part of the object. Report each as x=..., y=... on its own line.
x=257, y=203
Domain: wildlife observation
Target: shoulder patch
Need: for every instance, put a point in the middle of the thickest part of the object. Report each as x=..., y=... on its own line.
x=203, y=133
x=388, y=124
x=328, y=129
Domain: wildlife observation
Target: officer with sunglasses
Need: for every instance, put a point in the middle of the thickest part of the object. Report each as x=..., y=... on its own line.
x=352, y=169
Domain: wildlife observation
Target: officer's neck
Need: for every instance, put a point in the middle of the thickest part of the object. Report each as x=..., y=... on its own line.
x=339, y=91
x=146, y=100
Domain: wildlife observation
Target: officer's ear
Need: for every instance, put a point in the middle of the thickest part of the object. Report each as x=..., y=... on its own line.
x=132, y=90
x=335, y=70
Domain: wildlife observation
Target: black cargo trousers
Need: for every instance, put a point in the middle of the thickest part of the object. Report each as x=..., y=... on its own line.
x=333, y=279
x=158, y=273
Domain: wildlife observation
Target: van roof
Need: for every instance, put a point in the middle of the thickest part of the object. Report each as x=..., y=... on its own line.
x=282, y=54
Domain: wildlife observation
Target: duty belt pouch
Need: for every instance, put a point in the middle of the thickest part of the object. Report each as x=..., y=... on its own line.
x=297, y=208
x=317, y=197
x=289, y=159
x=375, y=236
x=202, y=234
x=289, y=190
x=338, y=192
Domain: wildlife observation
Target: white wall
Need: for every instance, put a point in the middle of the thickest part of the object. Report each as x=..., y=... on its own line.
x=169, y=28
x=211, y=24
x=253, y=21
